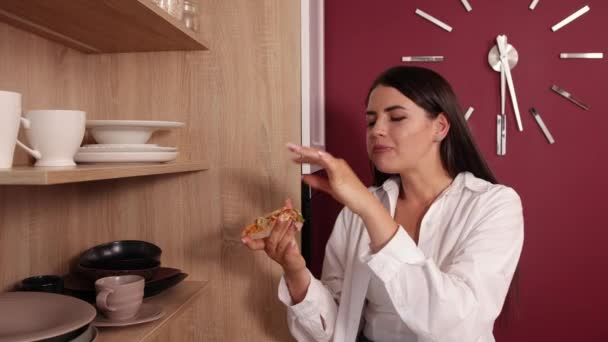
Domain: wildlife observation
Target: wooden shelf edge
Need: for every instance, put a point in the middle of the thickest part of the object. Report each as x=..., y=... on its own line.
x=86, y=18
x=29, y=175
x=173, y=301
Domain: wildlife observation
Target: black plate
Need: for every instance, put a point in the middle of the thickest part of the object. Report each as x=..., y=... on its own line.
x=69, y=336
x=165, y=278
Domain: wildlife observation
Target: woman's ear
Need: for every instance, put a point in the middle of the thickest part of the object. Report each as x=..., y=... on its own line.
x=441, y=126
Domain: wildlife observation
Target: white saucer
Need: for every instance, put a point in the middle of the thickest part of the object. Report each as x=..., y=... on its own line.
x=118, y=145
x=124, y=157
x=126, y=148
x=147, y=313
x=130, y=123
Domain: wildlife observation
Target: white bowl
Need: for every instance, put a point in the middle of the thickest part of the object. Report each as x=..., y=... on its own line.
x=126, y=131
x=122, y=135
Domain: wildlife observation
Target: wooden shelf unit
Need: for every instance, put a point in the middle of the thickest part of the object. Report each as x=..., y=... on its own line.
x=102, y=26
x=30, y=175
x=173, y=301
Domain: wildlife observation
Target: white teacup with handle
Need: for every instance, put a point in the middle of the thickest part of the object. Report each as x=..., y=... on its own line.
x=54, y=134
x=10, y=119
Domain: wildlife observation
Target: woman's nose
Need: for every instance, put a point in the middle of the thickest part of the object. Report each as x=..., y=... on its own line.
x=379, y=128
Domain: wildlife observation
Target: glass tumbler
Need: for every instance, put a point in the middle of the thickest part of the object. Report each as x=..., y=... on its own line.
x=190, y=15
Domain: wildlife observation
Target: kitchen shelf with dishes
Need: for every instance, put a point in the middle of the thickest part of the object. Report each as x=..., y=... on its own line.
x=117, y=291
x=29, y=175
x=103, y=26
x=122, y=150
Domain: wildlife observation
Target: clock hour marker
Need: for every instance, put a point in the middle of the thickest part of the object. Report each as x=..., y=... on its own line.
x=542, y=126
x=498, y=135
x=467, y=115
x=586, y=55
x=569, y=97
x=422, y=59
x=467, y=6
x=434, y=20
x=570, y=18
x=501, y=135
x=533, y=4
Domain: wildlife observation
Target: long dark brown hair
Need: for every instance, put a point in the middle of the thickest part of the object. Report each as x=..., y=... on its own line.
x=458, y=150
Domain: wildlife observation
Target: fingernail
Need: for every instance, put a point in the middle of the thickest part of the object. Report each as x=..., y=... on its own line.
x=292, y=145
x=244, y=240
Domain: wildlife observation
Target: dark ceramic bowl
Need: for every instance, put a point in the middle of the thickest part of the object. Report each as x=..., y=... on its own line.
x=44, y=283
x=122, y=255
x=96, y=273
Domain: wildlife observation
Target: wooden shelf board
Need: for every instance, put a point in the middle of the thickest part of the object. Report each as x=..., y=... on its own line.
x=173, y=301
x=102, y=26
x=29, y=175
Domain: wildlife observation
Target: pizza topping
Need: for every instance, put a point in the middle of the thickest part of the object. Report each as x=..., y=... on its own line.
x=262, y=226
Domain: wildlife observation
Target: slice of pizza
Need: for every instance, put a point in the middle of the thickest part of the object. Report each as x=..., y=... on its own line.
x=262, y=226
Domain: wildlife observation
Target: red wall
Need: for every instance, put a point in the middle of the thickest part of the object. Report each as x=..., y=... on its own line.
x=564, y=266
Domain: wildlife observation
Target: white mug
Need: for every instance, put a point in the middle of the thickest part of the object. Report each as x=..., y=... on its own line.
x=119, y=297
x=10, y=118
x=55, y=135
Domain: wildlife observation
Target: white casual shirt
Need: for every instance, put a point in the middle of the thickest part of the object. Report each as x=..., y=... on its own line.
x=382, y=321
x=449, y=287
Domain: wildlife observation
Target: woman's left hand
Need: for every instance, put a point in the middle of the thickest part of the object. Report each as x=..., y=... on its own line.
x=342, y=182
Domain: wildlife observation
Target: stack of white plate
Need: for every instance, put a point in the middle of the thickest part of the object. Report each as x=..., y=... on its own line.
x=125, y=153
x=125, y=141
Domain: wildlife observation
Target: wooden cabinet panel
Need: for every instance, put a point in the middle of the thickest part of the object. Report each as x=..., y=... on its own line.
x=241, y=104
x=102, y=26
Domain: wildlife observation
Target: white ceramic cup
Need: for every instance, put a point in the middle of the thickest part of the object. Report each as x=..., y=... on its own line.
x=10, y=118
x=120, y=297
x=55, y=135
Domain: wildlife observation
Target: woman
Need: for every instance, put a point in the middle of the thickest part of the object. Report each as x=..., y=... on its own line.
x=428, y=254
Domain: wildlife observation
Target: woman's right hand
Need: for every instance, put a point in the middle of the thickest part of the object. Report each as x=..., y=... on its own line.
x=281, y=245
x=341, y=183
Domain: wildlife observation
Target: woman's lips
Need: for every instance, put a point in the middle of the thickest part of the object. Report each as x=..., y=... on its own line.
x=381, y=148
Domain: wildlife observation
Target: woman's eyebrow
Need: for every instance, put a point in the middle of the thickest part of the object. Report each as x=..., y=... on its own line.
x=387, y=109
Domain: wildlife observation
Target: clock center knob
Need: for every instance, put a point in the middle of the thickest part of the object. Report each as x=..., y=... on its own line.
x=494, y=57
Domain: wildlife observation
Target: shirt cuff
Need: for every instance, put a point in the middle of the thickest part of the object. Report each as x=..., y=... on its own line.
x=401, y=249
x=308, y=306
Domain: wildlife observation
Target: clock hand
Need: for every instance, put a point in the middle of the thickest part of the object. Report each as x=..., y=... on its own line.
x=502, y=90
x=501, y=41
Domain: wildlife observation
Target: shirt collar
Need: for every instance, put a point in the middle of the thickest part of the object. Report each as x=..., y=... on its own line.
x=462, y=180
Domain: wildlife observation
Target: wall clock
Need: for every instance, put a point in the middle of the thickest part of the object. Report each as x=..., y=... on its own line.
x=503, y=58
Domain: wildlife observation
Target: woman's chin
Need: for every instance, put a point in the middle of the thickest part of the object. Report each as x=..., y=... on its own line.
x=384, y=168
